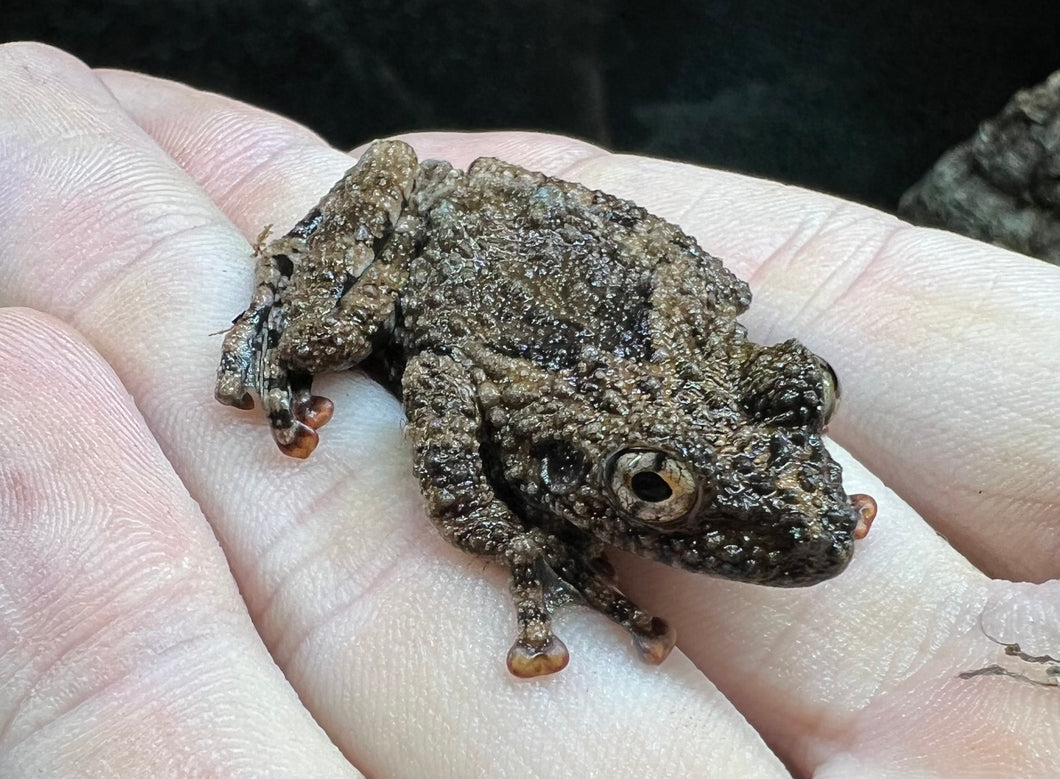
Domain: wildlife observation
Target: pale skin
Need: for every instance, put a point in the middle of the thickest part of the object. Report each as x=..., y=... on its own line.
x=334, y=631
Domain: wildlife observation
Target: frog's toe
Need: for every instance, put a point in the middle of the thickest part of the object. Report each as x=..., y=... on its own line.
x=297, y=440
x=295, y=413
x=526, y=660
x=865, y=506
x=232, y=392
x=316, y=411
x=655, y=642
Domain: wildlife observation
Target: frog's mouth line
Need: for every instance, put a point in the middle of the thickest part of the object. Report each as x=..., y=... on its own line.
x=773, y=525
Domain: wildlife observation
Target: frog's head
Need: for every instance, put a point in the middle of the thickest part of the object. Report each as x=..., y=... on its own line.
x=730, y=478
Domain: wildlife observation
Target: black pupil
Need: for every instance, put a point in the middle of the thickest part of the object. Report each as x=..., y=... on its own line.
x=650, y=486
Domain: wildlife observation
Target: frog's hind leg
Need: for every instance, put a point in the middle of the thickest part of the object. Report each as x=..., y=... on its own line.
x=294, y=412
x=249, y=359
x=239, y=371
x=342, y=296
x=341, y=299
x=325, y=295
x=537, y=650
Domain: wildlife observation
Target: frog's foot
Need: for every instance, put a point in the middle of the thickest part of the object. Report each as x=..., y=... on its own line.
x=294, y=412
x=594, y=579
x=547, y=574
x=314, y=411
x=527, y=661
x=249, y=337
x=655, y=641
x=236, y=375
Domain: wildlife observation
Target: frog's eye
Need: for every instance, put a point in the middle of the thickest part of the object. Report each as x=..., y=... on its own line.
x=829, y=390
x=651, y=486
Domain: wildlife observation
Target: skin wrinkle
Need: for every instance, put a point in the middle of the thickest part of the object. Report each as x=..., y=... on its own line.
x=130, y=676
x=80, y=638
x=267, y=145
x=576, y=170
x=860, y=448
x=872, y=248
x=572, y=156
x=230, y=194
x=784, y=254
x=333, y=495
x=359, y=592
x=88, y=305
x=292, y=196
x=289, y=644
x=691, y=209
x=286, y=144
x=295, y=505
x=799, y=246
x=844, y=425
x=126, y=259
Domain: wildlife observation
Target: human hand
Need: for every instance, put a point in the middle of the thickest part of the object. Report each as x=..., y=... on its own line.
x=125, y=648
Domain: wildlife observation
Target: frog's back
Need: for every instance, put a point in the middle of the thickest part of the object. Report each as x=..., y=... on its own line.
x=538, y=268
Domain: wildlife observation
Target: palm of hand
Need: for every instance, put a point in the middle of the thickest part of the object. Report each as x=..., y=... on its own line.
x=127, y=644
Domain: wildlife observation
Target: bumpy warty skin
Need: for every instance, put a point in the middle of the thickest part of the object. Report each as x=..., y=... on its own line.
x=595, y=326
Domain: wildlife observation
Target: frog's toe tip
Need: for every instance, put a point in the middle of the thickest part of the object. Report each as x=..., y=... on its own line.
x=298, y=441
x=526, y=661
x=233, y=393
x=317, y=412
x=656, y=643
x=865, y=506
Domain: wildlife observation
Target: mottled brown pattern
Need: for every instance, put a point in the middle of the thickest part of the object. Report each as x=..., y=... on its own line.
x=574, y=379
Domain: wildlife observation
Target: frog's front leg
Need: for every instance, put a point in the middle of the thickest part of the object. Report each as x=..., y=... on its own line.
x=444, y=426
x=594, y=580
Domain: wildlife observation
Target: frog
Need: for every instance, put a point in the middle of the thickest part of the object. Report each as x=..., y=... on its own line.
x=574, y=380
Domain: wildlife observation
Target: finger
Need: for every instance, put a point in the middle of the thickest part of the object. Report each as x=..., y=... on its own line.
x=369, y=614
x=861, y=675
x=948, y=350
x=910, y=549
x=123, y=641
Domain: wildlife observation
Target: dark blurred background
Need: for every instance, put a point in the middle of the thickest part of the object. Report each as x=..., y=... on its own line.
x=854, y=98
